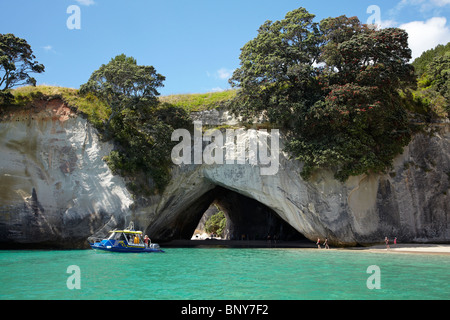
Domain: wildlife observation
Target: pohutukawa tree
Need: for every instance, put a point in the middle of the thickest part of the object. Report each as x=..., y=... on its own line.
x=333, y=86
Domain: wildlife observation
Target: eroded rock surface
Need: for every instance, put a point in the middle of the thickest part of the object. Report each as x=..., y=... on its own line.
x=411, y=202
x=56, y=190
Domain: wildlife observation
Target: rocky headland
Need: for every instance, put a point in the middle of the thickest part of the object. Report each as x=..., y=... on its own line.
x=56, y=190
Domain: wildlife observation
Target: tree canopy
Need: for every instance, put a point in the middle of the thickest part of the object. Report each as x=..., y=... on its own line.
x=216, y=224
x=333, y=86
x=123, y=84
x=16, y=63
x=433, y=70
x=421, y=63
x=139, y=124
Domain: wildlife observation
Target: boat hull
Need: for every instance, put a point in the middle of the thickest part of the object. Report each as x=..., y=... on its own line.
x=114, y=246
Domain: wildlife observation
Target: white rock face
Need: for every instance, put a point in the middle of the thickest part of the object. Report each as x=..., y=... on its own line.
x=54, y=185
x=411, y=202
x=55, y=189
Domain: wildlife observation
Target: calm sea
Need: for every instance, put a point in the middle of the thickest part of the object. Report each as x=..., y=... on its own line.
x=219, y=273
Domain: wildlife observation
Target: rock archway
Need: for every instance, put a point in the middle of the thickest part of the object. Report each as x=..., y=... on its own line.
x=255, y=204
x=252, y=220
x=246, y=219
x=363, y=210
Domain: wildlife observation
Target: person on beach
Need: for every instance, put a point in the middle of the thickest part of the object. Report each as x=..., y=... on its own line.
x=325, y=244
x=395, y=240
x=386, y=241
x=318, y=243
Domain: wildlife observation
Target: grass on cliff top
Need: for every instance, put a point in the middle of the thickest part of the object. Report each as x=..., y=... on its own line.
x=98, y=111
x=199, y=101
x=95, y=109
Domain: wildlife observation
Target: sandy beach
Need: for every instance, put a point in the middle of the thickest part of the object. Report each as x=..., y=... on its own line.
x=410, y=248
x=394, y=248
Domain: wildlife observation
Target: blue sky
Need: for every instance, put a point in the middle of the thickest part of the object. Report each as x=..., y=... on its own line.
x=194, y=43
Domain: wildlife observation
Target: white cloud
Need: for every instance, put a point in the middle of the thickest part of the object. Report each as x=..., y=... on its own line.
x=86, y=2
x=441, y=3
x=424, y=3
x=388, y=24
x=224, y=73
x=425, y=35
x=434, y=7
x=217, y=89
x=49, y=48
x=221, y=74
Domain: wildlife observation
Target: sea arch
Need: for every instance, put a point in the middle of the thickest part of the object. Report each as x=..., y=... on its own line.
x=255, y=205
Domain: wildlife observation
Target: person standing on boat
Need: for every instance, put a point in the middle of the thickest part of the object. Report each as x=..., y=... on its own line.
x=146, y=240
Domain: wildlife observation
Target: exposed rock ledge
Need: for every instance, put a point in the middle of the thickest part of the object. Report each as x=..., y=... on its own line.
x=56, y=190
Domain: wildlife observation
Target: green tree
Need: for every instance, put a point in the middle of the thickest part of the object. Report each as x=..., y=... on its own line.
x=421, y=63
x=216, y=224
x=433, y=71
x=333, y=88
x=437, y=75
x=16, y=63
x=124, y=84
x=139, y=124
x=439, y=71
x=277, y=76
x=359, y=125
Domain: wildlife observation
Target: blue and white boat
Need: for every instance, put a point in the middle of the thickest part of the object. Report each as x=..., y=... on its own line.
x=127, y=240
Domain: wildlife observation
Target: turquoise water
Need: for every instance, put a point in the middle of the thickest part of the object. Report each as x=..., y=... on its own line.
x=204, y=274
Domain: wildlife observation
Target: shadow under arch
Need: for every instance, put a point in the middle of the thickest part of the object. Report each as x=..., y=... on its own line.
x=247, y=219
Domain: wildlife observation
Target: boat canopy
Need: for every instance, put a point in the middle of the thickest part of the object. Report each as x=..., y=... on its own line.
x=129, y=230
x=126, y=231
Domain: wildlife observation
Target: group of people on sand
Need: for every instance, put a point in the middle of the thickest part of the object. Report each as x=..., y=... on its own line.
x=386, y=242
x=325, y=244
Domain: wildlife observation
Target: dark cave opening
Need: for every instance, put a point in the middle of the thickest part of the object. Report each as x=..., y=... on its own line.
x=247, y=219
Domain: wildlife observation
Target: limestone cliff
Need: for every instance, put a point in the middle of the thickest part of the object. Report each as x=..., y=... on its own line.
x=56, y=190
x=411, y=202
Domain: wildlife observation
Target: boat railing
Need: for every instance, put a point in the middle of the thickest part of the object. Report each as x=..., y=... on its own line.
x=95, y=240
x=154, y=246
x=132, y=243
